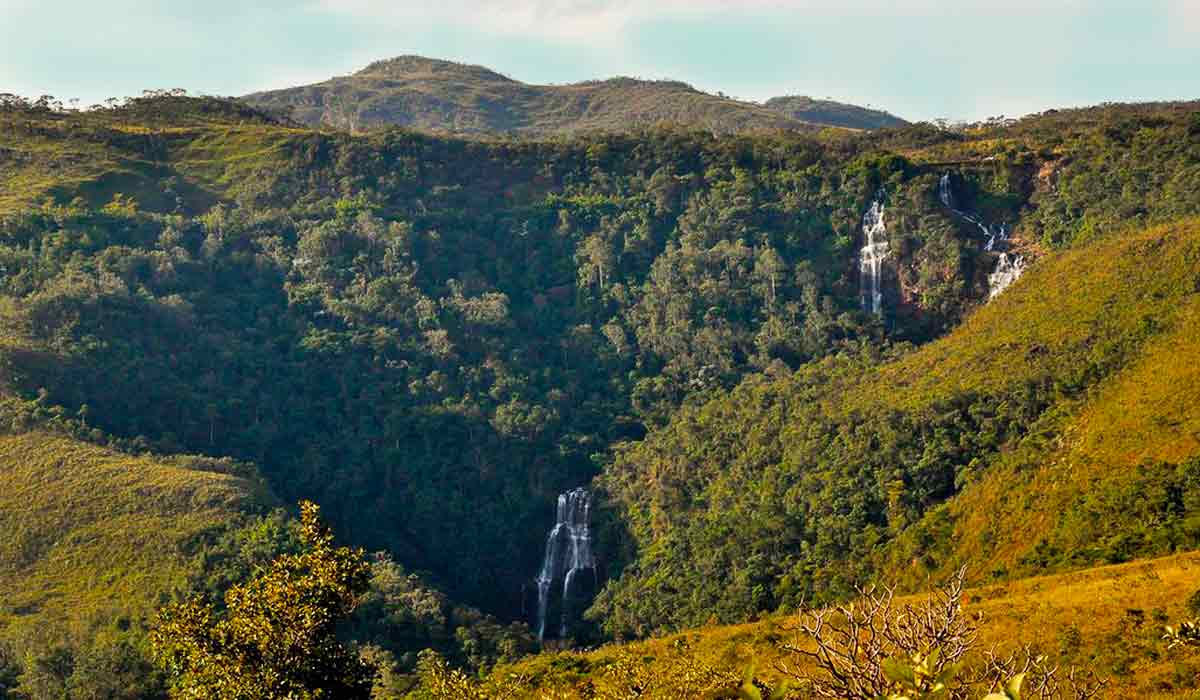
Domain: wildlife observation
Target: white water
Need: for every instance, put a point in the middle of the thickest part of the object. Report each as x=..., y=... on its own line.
x=872, y=255
x=1008, y=267
x=568, y=552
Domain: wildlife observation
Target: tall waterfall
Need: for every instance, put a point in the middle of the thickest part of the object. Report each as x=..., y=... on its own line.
x=568, y=553
x=1008, y=267
x=872, y=255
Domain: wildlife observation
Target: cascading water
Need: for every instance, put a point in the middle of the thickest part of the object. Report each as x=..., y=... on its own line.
x=872, y=255
x=1008, y=267
x=568, y=553
x=991, y=233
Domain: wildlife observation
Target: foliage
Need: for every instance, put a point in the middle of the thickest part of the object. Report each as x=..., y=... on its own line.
x=277, y=636
x=434, y=337
x=402, y=615
x=800, y=487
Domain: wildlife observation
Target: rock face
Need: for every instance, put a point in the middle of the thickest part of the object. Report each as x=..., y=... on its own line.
x=443, y=96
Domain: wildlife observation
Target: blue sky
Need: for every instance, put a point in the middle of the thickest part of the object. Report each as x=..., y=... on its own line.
x=921, y=59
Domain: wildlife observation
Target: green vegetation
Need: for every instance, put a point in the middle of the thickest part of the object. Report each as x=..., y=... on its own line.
x=447, y=97
x=94, y=541
x=801, y=486
x=276, y=638
x=434, y=337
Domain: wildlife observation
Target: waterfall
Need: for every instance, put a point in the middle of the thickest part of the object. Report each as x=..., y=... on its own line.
x=1008, y=267
x=872, y=255
x=568, y=552
x=946, y=194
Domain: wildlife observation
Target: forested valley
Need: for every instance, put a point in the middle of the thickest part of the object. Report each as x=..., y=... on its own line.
x=433, y=337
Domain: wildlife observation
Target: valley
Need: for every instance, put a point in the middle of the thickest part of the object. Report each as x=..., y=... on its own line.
x=752, y=369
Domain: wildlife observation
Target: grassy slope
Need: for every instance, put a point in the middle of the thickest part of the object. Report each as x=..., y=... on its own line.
x=807, y=109
x=1146, y=413
x=442, y=96
x=1107, y=333
x=103, y=154
x=92, y=532
x=1044, y=611
x=1087, y=304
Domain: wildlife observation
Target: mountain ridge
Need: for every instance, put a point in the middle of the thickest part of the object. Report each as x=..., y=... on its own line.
x=438, y=95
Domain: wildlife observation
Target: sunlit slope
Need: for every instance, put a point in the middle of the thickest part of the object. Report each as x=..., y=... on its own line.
x=179, y=157
x=1062, y=411
x=1107, y=474
x=1108, y=619
x=90, y=531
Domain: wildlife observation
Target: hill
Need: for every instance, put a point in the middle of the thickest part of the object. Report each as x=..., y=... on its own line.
x=1106, y=619
x=813, y=111
x=433, y=337
x=95, y=540
x=1053, y=429
x=441, y=96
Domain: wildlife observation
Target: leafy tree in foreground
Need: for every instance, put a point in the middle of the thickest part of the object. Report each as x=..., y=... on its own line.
x=277, y=638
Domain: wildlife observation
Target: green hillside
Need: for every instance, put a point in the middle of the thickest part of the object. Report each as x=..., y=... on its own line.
x=1050, y=430
x=813, y=111
x=433, y=337
x=91, y=530
x=442, y=96
x=95, y=540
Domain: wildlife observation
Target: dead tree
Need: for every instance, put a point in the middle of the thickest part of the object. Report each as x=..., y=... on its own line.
x=847, y=645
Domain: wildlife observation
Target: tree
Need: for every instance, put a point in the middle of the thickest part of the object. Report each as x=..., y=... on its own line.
x=277, y=637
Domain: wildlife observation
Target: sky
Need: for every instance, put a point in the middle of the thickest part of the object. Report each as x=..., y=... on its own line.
x=920, y=59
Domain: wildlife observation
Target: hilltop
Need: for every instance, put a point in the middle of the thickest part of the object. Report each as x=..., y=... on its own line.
x=448, y=97
x=813, y=111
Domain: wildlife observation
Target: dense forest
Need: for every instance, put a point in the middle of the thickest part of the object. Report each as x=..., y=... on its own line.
x=434, y=337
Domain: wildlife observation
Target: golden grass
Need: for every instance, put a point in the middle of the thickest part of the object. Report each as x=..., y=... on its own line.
x=89, y=530
x=1097, y=607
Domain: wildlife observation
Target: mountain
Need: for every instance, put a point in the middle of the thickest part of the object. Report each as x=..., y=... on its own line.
x=786, y=363
x=442, y=96
x=812, y=111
